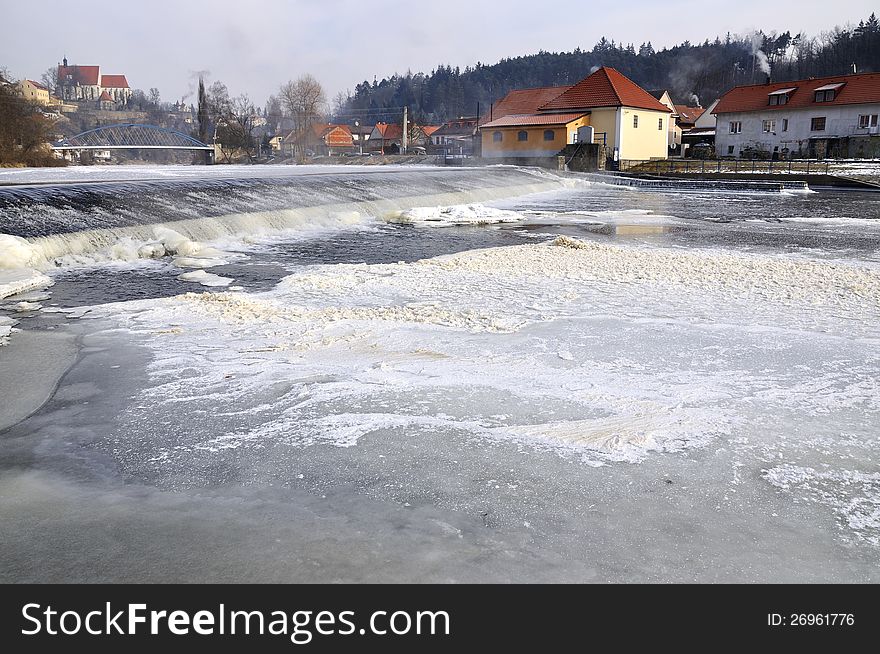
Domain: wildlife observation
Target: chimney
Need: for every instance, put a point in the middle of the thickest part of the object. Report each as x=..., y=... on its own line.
x=768, y=80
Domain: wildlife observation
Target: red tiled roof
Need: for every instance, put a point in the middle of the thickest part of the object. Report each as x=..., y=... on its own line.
x=38, y=85
x=857, y=89
x=105, y=97
x=393, y=131
x=605, y=88
x=85, y=75
x=338, y=136
x=114, y=81
x=689, y=114
x=427, y=130
x=535, y=119
x=523, y=101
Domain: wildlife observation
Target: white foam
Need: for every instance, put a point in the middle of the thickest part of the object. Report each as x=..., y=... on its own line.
x=205, y=278
x=16, y=252
x=462, y=214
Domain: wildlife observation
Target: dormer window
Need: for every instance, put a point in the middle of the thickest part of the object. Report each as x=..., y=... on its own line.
x=827, y=93
x=779, y=97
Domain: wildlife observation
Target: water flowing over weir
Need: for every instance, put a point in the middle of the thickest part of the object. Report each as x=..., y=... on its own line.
x=79, y=218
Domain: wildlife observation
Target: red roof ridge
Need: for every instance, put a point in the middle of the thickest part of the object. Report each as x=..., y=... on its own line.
x=605, y=87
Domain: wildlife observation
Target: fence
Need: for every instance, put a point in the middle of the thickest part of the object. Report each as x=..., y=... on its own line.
x=661, y=166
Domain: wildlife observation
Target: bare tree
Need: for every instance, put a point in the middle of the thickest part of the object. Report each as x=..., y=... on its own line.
x=340, y=103
x=304, y=101
x=155, y=97
x=274, y=113
x=50, y=79
x=218, y=100
x=235, y=128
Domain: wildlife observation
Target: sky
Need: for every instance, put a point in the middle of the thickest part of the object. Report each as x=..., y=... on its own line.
x=256, y=45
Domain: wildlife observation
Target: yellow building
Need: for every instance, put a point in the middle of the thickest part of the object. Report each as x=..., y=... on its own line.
x=628, y=120
x=33, y=92
x=530, y=135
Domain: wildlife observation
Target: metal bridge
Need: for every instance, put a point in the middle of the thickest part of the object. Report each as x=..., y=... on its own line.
x=130, y=136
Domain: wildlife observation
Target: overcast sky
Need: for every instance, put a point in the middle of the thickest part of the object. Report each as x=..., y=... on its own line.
x=255, y=45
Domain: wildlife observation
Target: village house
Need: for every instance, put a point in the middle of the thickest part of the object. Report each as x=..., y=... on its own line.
x=86, y=83
x=34, y=92
x=386, y=138
x=822, y=117
x=360, y=134
x=606, y=107
x=674, y=131
x=321, y=139
x=700, y=138
x=456, y=137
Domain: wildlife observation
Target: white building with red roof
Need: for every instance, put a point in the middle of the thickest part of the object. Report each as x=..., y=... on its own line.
x=87, y=84
x=825, y=116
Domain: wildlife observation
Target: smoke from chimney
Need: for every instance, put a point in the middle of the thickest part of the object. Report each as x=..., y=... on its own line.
x=760, y=57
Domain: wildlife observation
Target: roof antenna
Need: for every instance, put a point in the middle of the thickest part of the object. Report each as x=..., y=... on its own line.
x=855, y=70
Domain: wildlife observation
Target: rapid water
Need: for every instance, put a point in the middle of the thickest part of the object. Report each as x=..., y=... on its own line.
x=446, y=375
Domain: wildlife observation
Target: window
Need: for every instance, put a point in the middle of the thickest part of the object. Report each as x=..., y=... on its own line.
x=780, y=96
x=785, y=124
x=496, y=137
x=768, y=126
x=635, y=121
x=729, y=150
x=867, y=121
x=549, y=135
x=736, y=127
x=522, y=135
x=660, y=124
x=825, y=96
x=817, y=124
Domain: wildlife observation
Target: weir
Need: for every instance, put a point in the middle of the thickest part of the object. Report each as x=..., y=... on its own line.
x=76, y=219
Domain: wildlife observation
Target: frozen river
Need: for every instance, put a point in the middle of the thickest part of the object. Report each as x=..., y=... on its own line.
x=435, y=375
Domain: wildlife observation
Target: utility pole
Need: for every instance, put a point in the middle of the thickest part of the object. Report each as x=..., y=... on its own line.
x=405, y=132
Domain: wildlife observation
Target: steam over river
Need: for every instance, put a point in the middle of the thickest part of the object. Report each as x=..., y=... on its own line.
x=419, y=374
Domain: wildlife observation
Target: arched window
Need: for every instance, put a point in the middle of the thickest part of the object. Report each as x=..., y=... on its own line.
x=496, y=137
x=522, y=135
x=549, y=135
